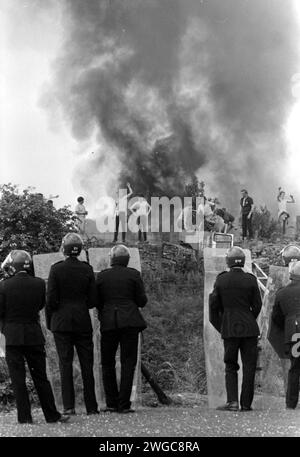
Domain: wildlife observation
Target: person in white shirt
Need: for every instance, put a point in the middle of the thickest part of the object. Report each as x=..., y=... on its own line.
x=121, y=213
x=185, y=219
x=283, y=214
x=142, y=210
x=81, y=214
x=207, y=217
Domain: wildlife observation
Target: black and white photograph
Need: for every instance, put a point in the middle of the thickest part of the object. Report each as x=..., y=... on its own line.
x=149, y=224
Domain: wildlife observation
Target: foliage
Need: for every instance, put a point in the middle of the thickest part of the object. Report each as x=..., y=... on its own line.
x=7, y=398
x=172, y=343
x=263, y=223
x=28, y=221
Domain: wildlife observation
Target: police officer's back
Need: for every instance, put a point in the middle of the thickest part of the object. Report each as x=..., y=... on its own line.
x=22, y=296
x=71, y=293
x=286, y=315
x=237, y=298
x=235, y=304
x=120, y=295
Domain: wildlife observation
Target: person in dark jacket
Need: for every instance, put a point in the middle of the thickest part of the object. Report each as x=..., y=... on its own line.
x=120, y=294
x=22, y=296
x=235, y=303
x=71, y=293
x=247, y=208
x=286, y=315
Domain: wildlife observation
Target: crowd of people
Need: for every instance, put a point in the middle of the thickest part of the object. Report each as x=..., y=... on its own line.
x=117, y=293
x=140, y=207
x=234, y=306
x=211, y=217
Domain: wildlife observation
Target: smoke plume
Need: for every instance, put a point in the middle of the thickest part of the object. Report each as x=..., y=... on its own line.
x=168, y=88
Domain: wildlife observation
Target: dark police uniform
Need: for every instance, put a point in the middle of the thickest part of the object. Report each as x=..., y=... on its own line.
x=286, y=315
x=21, y=298
x=236, y=301
x=71, y=293
x=120, y=294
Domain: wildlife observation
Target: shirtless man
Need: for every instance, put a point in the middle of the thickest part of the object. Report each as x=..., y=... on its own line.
x=81, y=214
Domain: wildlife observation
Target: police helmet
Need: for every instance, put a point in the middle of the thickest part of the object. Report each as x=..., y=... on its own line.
x=235, y=257
x=290, y=253
x=119, y=255
x=295, y=271
x=72, y=244
x=17, y=260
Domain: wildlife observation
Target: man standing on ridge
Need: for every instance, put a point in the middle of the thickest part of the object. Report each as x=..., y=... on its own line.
x=246, y=213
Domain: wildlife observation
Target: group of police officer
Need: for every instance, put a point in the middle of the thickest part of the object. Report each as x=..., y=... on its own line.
x=118, y=293
x=234, y=306
x=72, y=291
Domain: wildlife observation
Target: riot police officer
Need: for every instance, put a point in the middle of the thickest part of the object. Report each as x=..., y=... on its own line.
x=290, y=254
x=286, y=315
x=22, y=296
x=234, y=304
x=71, y=293
x=120, y=295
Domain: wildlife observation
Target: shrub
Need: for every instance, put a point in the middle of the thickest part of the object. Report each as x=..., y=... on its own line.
x=263, y=223
x=28, y=221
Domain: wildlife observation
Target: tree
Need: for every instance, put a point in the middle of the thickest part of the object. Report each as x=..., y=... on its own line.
x=195, y=188
x=28, y=221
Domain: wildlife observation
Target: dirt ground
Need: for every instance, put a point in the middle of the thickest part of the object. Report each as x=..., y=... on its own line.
x=191, y=419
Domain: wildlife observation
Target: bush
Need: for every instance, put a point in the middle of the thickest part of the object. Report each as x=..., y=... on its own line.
x=28, y=221
x=263, y=223
x=7, y=399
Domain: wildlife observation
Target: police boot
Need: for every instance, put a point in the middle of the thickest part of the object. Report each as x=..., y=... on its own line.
x=229, y=406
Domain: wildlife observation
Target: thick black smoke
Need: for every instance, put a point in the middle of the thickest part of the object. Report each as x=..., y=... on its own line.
x=177, y=87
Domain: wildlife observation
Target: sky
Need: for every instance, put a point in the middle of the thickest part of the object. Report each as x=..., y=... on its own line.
x=37, y=144
x=36, y=150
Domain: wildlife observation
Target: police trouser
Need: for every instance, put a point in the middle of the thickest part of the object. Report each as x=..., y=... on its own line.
x=110, y=340
x=248, y=349
x=292, y=393
x=35, y=357
x=83, y=342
